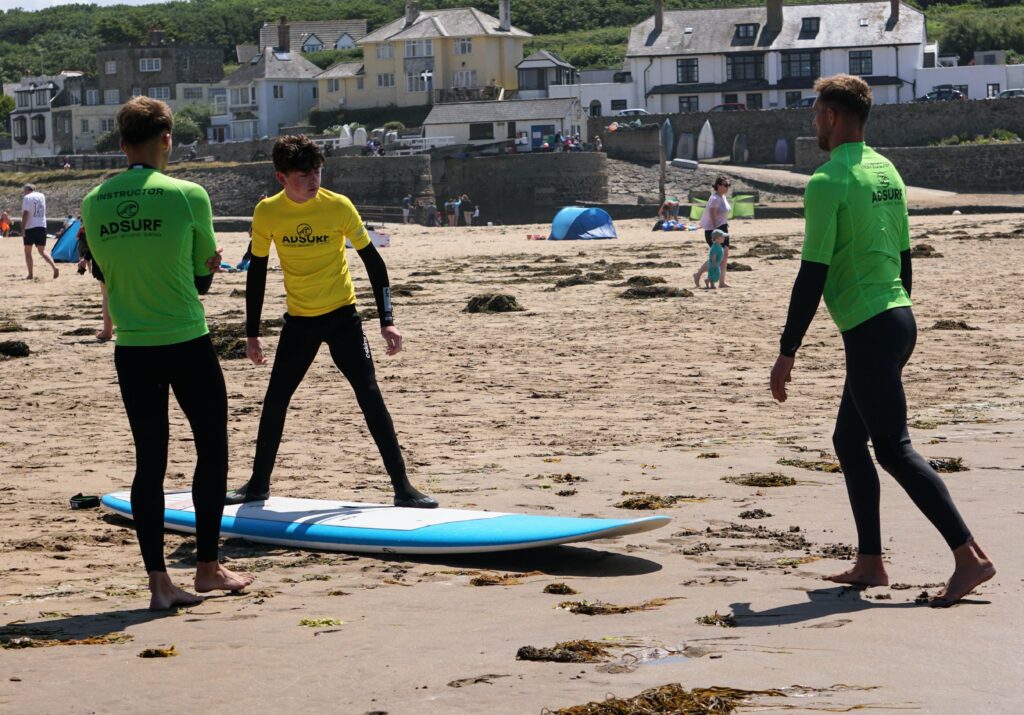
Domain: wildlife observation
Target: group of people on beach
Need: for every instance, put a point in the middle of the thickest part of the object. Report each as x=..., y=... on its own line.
x=153, y=237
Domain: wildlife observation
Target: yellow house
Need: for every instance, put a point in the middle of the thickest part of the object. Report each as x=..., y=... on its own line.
x=427, y=57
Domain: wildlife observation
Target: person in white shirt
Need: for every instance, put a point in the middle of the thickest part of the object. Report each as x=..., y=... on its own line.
x=716, y=216
x=33, y=228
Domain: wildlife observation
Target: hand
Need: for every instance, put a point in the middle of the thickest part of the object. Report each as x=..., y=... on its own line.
x=254, y=351
x=214, y=261
x=780, y=376
x=392, y=338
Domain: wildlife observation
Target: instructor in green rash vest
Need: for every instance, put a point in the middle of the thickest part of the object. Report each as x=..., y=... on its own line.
x=856, y=253
x=152, y=237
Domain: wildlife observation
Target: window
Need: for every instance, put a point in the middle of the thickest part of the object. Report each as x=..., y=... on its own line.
x=419, y=48
x=149, y=64
x=106, y=125
x=316, y=91
x=191, y=94
x=85, y=125
x=481, y=131
x=42, y=97
x=386, y=80
x=24, y=99
x=334, y=85
x=20, y=129
x=746, y=31
x=111, y=96
x=464, y=46
x=464, y=78
x=730, y=99
x=988, y=59
x=160, y=92
x=39, y=128
x=801, y=64
x=860, y=62
x=755, y=101
x=359, y=82
x=511, y=133
x=962, y=88
x=618, y=104
x=136, y=91
x=186, y=62
x=76, y=96
x=595, y=108
x=110, y=67
x=242, y=96
x=686, y=71
x=278, y=90
x=218, y=101
x=744, y=67
x=792, y=98
x=313, y=44
x=992, y=90
x=809, y=27
x=385, y=51
x=416, y=81
x=92, y=96
x=345, y=42
x=689, y=104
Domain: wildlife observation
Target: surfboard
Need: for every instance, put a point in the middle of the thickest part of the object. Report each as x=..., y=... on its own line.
x=359, y=137
x=667, y=138
x=739, y=153
x=684, y=146
x=382, y=529
x=706, y=141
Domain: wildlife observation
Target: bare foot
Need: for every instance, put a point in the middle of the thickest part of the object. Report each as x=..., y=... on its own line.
x=724, y=285
x=972, y=569
x=104, y=337
x=867, y=571
x=166, y=595
x=212, y=576
x=696, y=279
x=56, y=272
x=28, y=278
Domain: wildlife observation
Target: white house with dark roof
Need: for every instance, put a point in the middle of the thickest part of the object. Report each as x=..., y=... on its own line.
x=527, y=122
x=541, y=70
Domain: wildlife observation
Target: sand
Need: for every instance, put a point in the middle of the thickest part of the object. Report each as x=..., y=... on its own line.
x=630, y=395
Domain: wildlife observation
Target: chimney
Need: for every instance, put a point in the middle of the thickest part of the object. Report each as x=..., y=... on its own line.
x=284, y=40
x=156, y=36
x=774, y=23
x=412, y=11
x=894, y=11
x=659, y=15
x=505, y=15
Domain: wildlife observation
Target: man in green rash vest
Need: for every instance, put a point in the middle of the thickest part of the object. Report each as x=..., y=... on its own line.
x=152, y=238
x=857, y=254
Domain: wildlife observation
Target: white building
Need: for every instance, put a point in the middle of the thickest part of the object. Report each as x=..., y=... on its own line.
x=526, y=122
x=31, y=120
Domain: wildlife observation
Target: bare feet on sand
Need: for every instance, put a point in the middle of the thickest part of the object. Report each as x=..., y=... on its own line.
x=867, y=571
x=212, y=576
x=972, y=569
x=166, y=595
x=724, y=285
x=104, y=337
x=56, y=272
x=696, y=279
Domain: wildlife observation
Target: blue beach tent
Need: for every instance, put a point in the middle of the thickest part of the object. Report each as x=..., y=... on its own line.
x=66, y=248
x=574, y=222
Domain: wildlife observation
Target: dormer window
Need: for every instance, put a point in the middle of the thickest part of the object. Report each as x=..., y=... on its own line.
x=746, y=31
x=809, y=27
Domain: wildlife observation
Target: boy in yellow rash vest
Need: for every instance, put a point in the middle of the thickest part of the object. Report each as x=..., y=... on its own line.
x=308, y=225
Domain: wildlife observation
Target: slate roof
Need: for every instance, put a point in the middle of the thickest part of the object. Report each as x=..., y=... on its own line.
x=455, y=22
x=342, y=69
x=271, y=65
x=244, y=53
x=713, y=30
x=513, y=110
x=328, y=32
x=542, y=59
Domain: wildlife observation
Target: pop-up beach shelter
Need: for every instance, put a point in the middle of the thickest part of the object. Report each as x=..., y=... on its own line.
x=574, y=222
x=66, y=248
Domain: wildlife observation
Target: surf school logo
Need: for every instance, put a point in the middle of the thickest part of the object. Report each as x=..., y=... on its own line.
x=128, y=209
x=883, y=180
x=885, y=192
x=304, y=235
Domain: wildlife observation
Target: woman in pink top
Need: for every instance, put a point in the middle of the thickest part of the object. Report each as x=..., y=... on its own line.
x=716, y=216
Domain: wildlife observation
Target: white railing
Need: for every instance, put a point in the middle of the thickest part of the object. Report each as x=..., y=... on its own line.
x=417, y=145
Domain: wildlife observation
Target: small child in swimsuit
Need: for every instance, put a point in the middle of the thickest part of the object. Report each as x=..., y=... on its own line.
x=715, y=256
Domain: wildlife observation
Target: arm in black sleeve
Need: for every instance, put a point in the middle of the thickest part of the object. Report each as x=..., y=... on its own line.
x=803, y=304
x=906, y=271
x=378, y=273
x=255, y=287
x=203, y=283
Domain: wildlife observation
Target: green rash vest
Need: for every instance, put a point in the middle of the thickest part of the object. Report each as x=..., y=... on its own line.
x=151, y=235
x=855, y=213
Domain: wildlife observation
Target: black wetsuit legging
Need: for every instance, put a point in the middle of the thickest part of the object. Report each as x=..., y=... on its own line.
x=874, y=406
x=300, y=340
x=192, y=371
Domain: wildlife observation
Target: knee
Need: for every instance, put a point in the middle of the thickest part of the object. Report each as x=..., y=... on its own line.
x=844, y=445
x=890, y=455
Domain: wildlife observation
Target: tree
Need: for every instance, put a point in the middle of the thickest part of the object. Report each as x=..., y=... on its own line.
x=197, y=114
x=186, y=131
x=111, y=141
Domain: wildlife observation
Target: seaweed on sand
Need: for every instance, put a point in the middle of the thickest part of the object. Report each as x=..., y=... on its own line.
x=582, y=651
x=717, y=619
x=494, y=579
x=320, y=622
x=947, y=324
x=30, y=642
x=13, y=349
x=228, y=340
x=159, y=652
x=708, y=455
x=9, y=326
x=816, y=465
x=672, y=699
x=655, y=292
x=637, y=281
x=492, y=303
x=642, y=500
x=560, y=589
x=924, y=250
x=761, y=479
x=597, y=608
x=754, y=514
x=948, y=465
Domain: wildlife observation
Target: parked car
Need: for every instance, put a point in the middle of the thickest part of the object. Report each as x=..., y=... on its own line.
x=633, y=112
x=730, y=107
x=803, y=102
x=942, y=94
x=1010, y=94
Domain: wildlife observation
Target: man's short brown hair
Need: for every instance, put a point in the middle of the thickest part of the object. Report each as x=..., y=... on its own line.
x=142, y=119
x=845, y=93
x=296, y=153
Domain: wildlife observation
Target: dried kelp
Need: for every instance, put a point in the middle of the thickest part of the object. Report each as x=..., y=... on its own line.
x=761, y=479
x=582, y=651
x=159, y=652
x=946, y=465
x=754, y=514
x=30, y=642
x=561, y=589
x=642, y=500
x=492, y=303
x=597, y=608
x=816, y=465
x=671, y=699
x=717, y=619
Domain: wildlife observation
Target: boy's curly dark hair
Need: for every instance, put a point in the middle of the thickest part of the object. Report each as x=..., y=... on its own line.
x=296, y=153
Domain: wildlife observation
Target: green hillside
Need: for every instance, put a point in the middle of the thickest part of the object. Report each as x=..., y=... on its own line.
x=589, y=33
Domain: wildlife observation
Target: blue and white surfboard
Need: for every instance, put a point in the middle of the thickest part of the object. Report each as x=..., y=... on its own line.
x=379, y=528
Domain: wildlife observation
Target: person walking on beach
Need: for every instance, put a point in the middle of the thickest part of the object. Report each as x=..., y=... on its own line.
x=33, y=228
x=468, y=208
x=715, y=257
x=86, y=263
x=406, y=208
x=152, y=236
x=308, y=225
x=857, y=253
x=716, y=216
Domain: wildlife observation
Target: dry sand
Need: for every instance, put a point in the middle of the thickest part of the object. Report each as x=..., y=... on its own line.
x=626, y=394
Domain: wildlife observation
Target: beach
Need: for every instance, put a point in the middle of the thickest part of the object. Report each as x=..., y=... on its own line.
x=580, y=402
